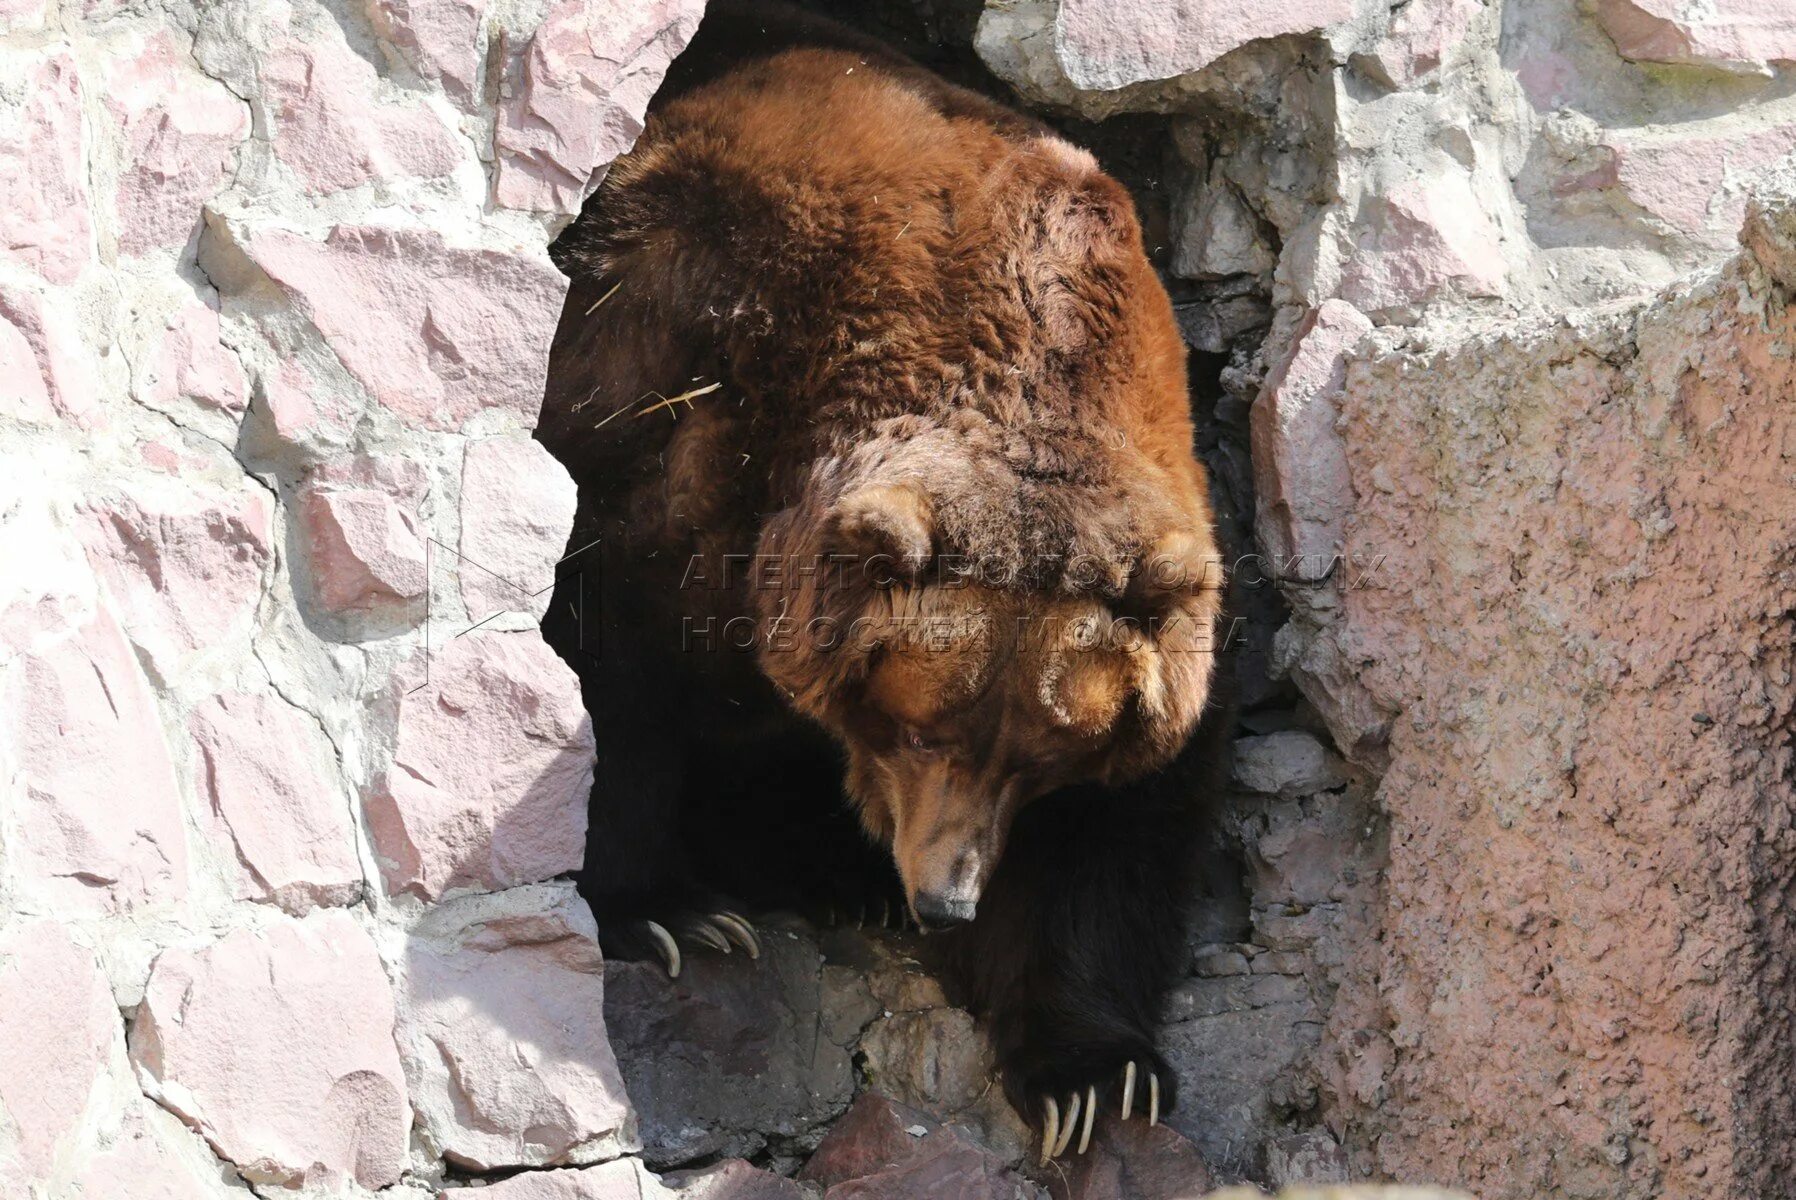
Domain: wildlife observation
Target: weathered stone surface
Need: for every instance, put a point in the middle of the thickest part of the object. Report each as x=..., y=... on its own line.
x=1741, y=35
x=734, y=1179
x=61, y=1027
x=496, y=1082
x=1693, y=182
x=517, y=507
x=934, y=1057
x=181, y=131
x=626, y=1179
x=1300, y=473
x=305, y=413
x=46, y=370
x=1161, y=40
x=442, y=39
x=153, y=1158
x=549, y=141
x=336, y=128
x=728, y=1055
x=1306, y=1158
x=491, y=769
x=282, y=818
x=190, y=362
x=1421, y=37
x=44, y=223
x=186, y=562
x=363, y=546
x=1220, y=235
x=1288, y=763
x=436, y=333
x=884, y=1151
x=1132, y=1160
x=86, y=731
x=277, y=1046
x=1590, y=584
x=1420, y=240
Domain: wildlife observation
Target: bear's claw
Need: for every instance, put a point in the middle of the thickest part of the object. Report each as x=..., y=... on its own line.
x=1057, y=1135
x=722, y=931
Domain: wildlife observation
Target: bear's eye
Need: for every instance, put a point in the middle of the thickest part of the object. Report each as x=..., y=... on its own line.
x=915, y=741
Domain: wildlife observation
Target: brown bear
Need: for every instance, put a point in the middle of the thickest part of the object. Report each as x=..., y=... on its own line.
x=897, y=579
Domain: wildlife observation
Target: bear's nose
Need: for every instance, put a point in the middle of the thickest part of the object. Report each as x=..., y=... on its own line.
x=938, y=911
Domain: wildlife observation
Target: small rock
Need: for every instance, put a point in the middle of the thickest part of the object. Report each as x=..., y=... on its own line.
x=1288, y=763
x=936, y=1059
x=1300, y=462
x=1217, y=965
x=267, y=772
x=1102, y=53
x=46, y=371
x=575, y=98
x=1420, y=240
x=870, y=1155
x=1131, y=1160
x=733, y=1179
x=1305, y=1158
x=61, y=1029
x=180, y=131
x=440, y=38
x=363, y=546
x=88, y=731
x=517, y=508
x=497, y=1083
x=44, y=223
x=491, y=770
x=277, y=1046
x=1734, y=35
x=192, y=362
x=337, y=128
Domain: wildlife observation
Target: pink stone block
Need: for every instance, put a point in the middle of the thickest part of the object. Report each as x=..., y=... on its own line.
x=538, y=1085
x=87, y=733
x=46, y=370
x=1421, y=35
x=436, y=333
x=363, y=545
x=1422, y=239
x=517, y=508
x=492, y=766
x=1101, y=49
x=266, y=771
x=44, y=223
x=179, y=132
x=186, y=562
x=277, y=1046
x=1300, y=463
x=577, y=96
x=336, y=130
x=1731, y=34
x=60, y=1028
x=1693, y=183
x=442, y=39
x=303, y=412
x=626, y=1179
x=192, y=362
x=148, y=1161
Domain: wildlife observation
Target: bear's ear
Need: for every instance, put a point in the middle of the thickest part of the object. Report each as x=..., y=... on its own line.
x=892, y=522
x=1175, y=566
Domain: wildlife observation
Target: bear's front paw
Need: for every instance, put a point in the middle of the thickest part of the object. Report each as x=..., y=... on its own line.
x=1062, y=1090
x=639, y=936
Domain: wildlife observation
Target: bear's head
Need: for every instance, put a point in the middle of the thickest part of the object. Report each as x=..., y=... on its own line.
x=964, y=687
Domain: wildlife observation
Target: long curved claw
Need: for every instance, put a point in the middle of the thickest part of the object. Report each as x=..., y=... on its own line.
x=1128, y=1104
x=740, y=931
x=1066, y=1131
x=670, y=949
x=1091, y=1110
x=708, y=934
x=1153, y=1099
x=1050, y=1128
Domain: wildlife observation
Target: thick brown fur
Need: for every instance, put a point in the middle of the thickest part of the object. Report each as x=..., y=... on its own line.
x=832, y=313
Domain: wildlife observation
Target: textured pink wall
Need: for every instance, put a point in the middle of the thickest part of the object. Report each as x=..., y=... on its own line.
x=275, y=308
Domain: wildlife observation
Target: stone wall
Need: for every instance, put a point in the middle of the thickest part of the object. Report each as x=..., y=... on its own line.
x=286, y=772
x=288, y=781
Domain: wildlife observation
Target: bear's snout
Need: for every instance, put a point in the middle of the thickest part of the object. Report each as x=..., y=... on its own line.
x=940, y=910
